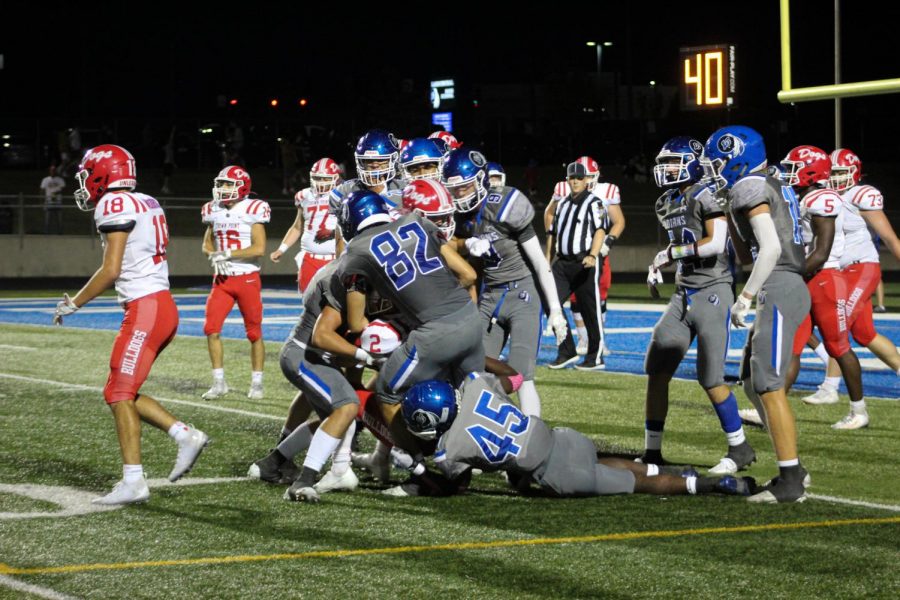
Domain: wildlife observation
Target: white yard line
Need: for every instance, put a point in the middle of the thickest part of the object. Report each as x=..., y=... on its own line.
x=849, y=502
x=94, y=388
x=43, y=592
x=11, y=347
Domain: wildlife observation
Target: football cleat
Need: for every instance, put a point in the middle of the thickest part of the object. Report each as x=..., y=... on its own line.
x=651, y=457
x=738, y=458
x=290, y=472
x=822, y=396
x=807, y=480
x=256, y=391
x=380, y=468
x=750, y=416
x=332, y=483
x=852, y=421
x=267, y=469
x=781, y=491
x=218, y=389
x=404, y=490
x=735, y=486
x=562, y=362
x=590, y=363
x=301, y=493
x=124, y=493
x=188, y=452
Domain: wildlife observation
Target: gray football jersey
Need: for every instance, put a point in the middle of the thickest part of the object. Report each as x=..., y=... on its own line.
x=492, y=434
x=393, y=193
x=313, y=300
x=402, y=261
x=684, y=217
x=505, y=221
x=756, y=189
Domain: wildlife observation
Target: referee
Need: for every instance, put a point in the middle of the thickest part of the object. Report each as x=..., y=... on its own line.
x=579, y=227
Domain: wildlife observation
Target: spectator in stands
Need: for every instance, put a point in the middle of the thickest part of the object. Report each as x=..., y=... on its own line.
x=52, y=185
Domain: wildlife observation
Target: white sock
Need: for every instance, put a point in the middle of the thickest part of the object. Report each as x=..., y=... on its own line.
x=789, y=463
x=736, y=438
x=858, y=407
x=653, y=440
x=652, y=470
x=831, y=383
x=822, y=353
x=529, y=400
x=691, y=485
x=582, y=332
x=341, y=461
x=179, y=431
x=256, y=377
x=320, y=450
x=132, y=473
x=218, y=374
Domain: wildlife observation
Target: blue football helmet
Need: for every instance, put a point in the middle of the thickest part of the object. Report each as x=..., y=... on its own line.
x=359, y=210
x=377, y=155
x=678, y=162
x=429, y=408
x=464, y=173
x=496, y=174
x=731, y=153
x=421, y=159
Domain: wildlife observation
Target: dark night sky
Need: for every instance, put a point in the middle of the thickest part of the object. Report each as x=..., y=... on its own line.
x=175, y=63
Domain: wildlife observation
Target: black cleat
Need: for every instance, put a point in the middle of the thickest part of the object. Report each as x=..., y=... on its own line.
x=289, y=472
x=781, y=491
x=267, y=469
x=735, y=486
x=562, y=362
x=738, y=458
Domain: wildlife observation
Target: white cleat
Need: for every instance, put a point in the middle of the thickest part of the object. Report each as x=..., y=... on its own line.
x=123, y=493
x=381, y=469
x=397, y=492
x=296, y=493
x=822, y=396
x=218, y=389
x=852, y=421
x=726, y=466
x=256, y=391
x=188, y=452
x=751, y=417
x=582, y=347
x=332, y=483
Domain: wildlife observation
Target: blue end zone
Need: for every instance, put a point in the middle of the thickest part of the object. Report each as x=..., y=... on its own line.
x=628, y=330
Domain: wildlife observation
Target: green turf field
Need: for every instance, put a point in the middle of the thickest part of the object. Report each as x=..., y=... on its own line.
x=234, y=538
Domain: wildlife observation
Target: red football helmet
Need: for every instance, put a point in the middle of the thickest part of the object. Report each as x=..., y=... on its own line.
x=806, y=165
x=846, y=170
x=103, y=168
x=592, y=168
x=431, y=199
x=448, y=138
x=237, y=181
x=324, y=175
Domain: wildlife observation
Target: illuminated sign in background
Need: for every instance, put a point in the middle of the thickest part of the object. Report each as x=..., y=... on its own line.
x=443, y=94
x=443, y=119
x=707, y=77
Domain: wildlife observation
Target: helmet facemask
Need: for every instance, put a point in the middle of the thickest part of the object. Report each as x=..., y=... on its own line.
x=467, y=193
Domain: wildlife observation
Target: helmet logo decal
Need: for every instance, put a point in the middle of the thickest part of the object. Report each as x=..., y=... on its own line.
x=97, y=155
x=477, y=159
x=696, y=147
x=811, y=153
x=727, y=143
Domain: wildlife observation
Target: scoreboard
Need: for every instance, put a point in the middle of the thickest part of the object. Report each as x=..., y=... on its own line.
x=707, y=77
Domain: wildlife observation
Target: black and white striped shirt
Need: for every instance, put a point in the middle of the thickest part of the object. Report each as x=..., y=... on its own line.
x=575, y=223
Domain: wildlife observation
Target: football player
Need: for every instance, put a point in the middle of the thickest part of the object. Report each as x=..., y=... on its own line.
x=697, y=230
x=421, y=159
x=496, y=228
x=477, y=426
x=765, y=220
x=497, y=176
x=806, y=169
x=377, y=168
x=314, y=224
x=134, y=233
x=234, y=241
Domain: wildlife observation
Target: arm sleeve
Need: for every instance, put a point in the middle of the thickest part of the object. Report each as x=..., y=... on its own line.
x=717, y=244
x=769, y=251
x=535, y=256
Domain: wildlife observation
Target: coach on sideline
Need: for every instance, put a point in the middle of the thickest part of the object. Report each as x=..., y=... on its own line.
x=579, y=227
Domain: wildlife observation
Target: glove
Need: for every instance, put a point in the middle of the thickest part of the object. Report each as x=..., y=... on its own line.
x=607, y=244
x=370, y=360
x=739, y=311
x=662, y=259
x=64, y=308
x=559, y=325
x=477, y=246
x=654, y=278
x=219, y=262
x=323, y=235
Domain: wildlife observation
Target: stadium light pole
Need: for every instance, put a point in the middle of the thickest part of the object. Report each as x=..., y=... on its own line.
x=599, y=46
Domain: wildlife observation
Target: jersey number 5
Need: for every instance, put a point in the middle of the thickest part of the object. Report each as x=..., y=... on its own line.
x=399, y=265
